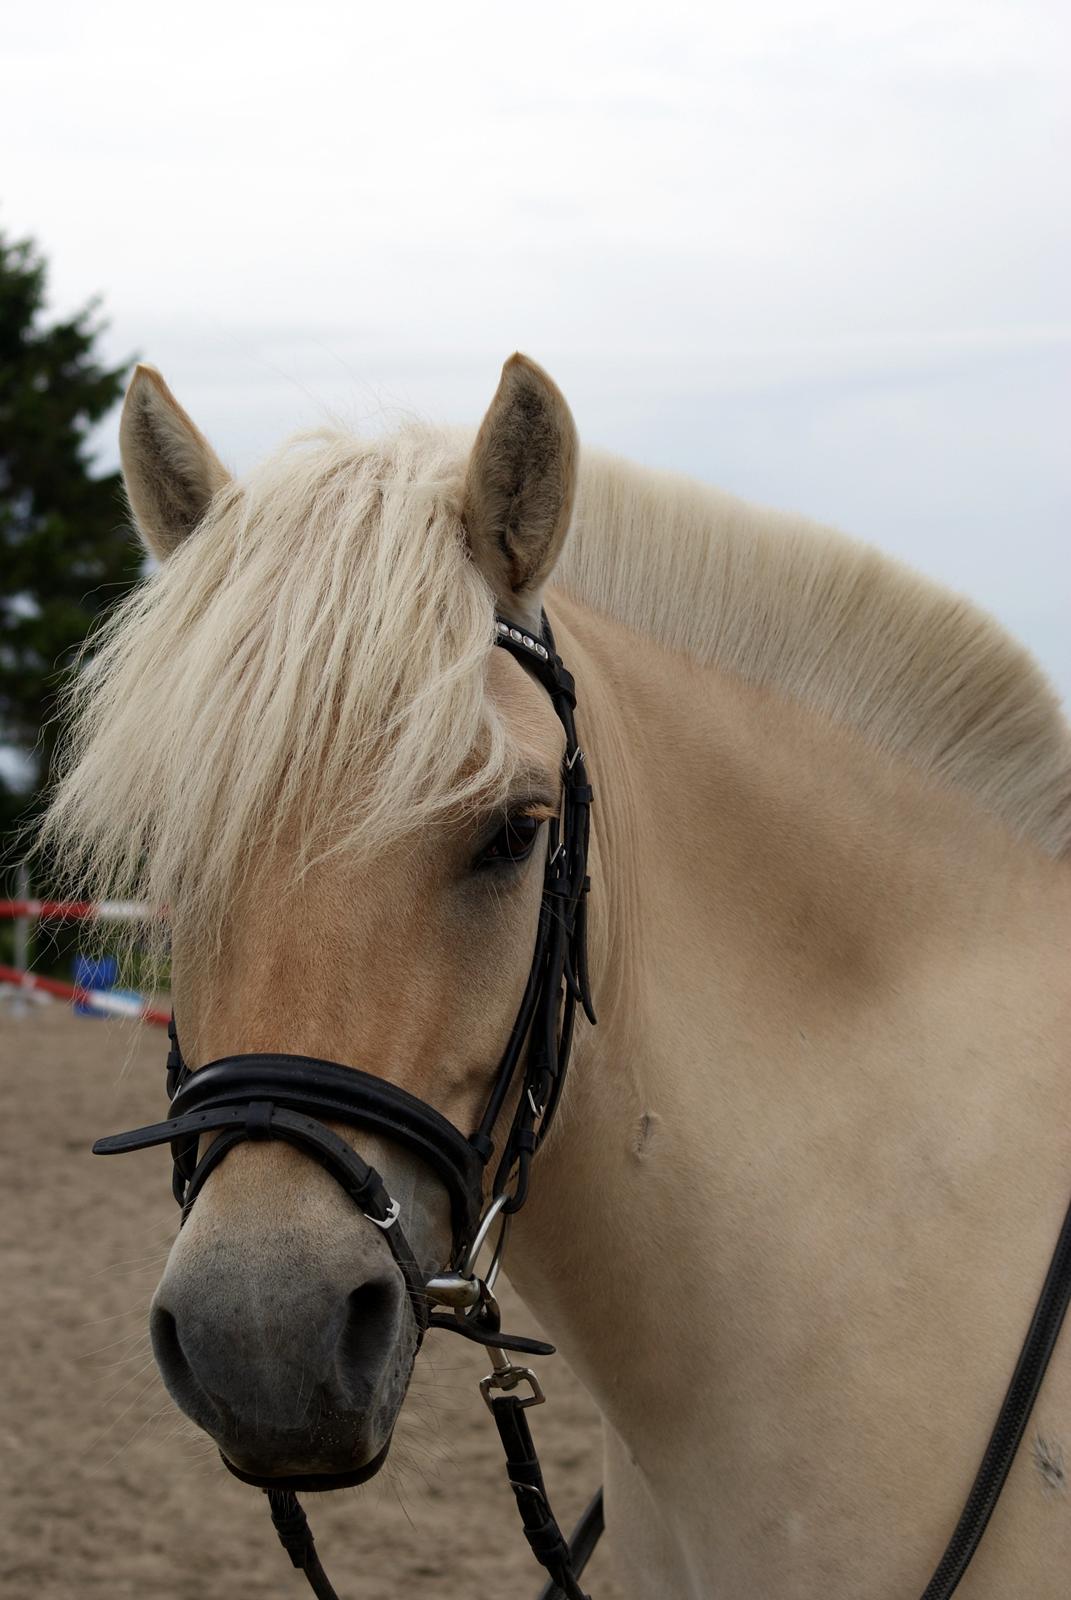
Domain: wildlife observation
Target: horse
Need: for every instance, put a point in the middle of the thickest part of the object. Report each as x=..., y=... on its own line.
x=790, y=1223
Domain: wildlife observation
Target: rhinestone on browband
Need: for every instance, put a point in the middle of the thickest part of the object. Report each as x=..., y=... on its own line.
x=524, y=639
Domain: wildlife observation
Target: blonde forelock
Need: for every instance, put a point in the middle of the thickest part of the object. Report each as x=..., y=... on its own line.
x=310, y=662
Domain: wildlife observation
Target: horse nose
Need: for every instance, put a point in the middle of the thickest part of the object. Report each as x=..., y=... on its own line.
x=285, y=1373
x=237, y=1349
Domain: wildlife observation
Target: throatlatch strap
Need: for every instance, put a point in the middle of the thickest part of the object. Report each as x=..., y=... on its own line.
x=548, y=1543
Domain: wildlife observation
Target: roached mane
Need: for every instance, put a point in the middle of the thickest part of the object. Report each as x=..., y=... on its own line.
x=313, y=659
x=787, y=604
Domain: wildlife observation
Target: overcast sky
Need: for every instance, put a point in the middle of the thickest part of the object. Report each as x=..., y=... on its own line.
x=815, y=253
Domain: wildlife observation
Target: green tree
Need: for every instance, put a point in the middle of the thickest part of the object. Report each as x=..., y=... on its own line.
x=65, y=554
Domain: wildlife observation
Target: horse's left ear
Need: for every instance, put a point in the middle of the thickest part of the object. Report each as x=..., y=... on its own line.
x=170, y=470
x=519, y=486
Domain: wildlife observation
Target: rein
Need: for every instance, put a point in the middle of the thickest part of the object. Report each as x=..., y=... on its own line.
x=290, y=1097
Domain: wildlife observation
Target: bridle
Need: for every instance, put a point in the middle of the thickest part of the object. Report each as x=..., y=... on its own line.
x=252, y=1097
x=290, y=1097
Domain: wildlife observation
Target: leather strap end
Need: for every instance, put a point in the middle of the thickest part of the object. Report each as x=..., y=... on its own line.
x=117, y=1144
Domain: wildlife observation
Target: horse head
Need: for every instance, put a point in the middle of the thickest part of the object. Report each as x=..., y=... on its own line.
x=350, y=828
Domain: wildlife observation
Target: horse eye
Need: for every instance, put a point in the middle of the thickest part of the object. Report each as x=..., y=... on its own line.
x=512, y=843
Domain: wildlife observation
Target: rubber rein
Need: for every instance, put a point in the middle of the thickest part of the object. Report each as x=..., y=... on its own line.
x=291, y=1097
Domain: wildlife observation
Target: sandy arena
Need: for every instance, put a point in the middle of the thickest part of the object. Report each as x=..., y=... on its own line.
x=107, y=1491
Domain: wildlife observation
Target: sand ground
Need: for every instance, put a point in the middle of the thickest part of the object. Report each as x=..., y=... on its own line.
x=106, y=1490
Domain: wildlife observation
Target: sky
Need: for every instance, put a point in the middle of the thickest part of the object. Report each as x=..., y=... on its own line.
x=818, y=254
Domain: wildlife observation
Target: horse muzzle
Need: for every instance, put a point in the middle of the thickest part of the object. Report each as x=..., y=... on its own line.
x=294, y=1360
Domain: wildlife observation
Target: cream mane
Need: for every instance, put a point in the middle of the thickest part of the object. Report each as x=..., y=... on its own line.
x=312, y=659
x=782, y=602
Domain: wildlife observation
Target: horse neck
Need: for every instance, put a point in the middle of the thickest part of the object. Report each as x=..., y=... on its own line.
x=810, y=966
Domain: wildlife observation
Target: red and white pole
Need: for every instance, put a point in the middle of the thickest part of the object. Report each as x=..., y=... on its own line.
x=117, y=1005
x=73, y=910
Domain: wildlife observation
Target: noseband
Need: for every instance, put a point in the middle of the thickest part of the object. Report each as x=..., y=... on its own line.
x=256, y=1097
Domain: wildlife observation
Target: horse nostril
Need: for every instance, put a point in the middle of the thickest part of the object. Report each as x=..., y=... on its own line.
x=165, y=1340
x=370, y=1326
x=174, y=1365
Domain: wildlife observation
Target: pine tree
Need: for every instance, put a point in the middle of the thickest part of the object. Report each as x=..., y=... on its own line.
x=65, y=553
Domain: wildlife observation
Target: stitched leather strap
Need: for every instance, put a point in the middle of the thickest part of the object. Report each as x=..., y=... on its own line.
x=295, y=1536
x=346, y=1094
x=546, y=1540
x=582, y=1541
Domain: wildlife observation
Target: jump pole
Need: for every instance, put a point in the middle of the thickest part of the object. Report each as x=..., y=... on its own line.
x=23, y=910
x=116, y=1005
x=74, y=910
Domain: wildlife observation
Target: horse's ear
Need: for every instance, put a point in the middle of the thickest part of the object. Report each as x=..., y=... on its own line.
x=519, y=486
x=170, y=469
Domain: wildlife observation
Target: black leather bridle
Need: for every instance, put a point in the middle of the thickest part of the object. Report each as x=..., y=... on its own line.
x=251, y=1097
x=291, y=1098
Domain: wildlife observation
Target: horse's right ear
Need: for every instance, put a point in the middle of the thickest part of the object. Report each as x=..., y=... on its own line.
x=520, y=484
x=170, y=469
